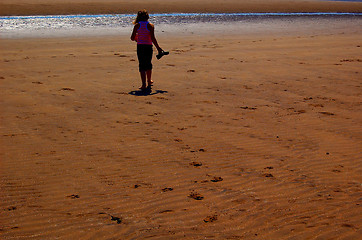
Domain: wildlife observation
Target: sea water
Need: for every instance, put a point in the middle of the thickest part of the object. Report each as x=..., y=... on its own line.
x=176, y=23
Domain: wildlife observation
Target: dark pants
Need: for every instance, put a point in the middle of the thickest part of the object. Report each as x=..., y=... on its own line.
x=144, y=54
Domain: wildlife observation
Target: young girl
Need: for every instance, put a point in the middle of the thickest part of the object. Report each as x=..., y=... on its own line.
x=144, y=34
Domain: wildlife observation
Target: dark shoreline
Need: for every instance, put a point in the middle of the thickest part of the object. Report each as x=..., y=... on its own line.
x=188, y=14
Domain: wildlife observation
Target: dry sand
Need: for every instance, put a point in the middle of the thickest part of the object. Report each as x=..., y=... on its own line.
x=242, y=137
x=43, y=7
x=277, y=119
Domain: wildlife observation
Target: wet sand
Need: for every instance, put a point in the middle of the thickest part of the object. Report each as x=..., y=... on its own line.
x=55, y=7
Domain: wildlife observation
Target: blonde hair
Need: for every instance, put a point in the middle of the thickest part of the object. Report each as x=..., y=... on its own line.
x=141, y=16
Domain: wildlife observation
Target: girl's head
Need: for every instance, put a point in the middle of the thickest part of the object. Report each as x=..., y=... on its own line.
x=141, y=16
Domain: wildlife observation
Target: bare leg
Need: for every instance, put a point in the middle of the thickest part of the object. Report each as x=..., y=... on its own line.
x=143, y=78
x=149, y=75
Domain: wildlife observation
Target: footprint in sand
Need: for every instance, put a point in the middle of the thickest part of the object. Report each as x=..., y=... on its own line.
x=210, y=218
x=248, y=108
x=167, y=211
x=67, y=89
x=200, y=150
x=217, y=179
x=196, y=196
x=351, y=60
x=268, y=175
x=316, y=105
x=117, y=219
x=347, y=225
x=113, y=218
x=168, y=189
x=73, y=196
x=196, y=164
x=12, y=208
x=327, y=113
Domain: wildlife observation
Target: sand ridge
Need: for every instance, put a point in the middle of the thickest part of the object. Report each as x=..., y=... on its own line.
x=56, y=7
x=241, y=137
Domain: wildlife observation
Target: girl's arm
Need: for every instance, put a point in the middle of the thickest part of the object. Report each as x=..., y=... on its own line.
x=134, y=32
x=151, y=27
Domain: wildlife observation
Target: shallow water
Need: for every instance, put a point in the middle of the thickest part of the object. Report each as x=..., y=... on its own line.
x=193, y=23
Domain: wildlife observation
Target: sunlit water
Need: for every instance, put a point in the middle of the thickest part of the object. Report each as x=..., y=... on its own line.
x=176, y=23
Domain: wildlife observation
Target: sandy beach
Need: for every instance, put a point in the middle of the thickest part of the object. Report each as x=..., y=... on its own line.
x=243, y=136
